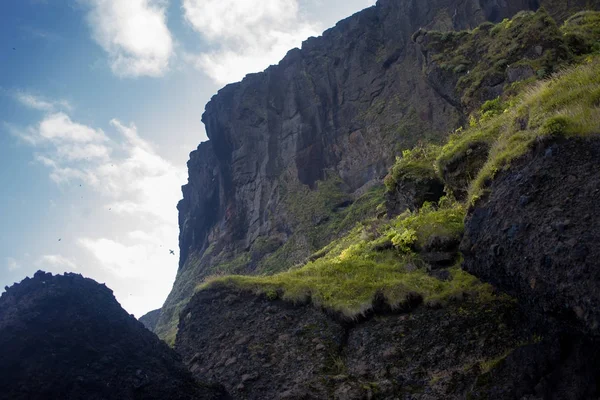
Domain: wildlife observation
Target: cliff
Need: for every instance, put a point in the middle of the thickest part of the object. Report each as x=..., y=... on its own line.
x=296, y=153
x=386, y=312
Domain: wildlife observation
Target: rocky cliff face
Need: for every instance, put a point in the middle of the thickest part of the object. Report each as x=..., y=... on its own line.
x=66, y=337
x=536, y=236
x=336, y=111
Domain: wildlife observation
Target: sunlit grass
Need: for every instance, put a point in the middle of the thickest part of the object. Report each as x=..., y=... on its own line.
x=353, y=271
x=566, y=105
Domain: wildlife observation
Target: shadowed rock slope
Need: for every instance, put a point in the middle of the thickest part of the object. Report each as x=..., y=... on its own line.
x=296, y=152
x=66, y=337
x=537, y=234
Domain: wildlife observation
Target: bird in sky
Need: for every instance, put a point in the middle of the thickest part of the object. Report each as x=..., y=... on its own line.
x=171, y=252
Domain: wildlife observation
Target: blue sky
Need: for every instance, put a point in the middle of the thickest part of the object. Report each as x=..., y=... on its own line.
x=100, y=105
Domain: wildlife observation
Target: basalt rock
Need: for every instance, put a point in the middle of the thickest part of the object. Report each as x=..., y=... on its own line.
x=261, y=347
x=66, y=337
x=536, y=235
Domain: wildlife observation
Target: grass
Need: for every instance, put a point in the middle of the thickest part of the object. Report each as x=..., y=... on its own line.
x=351, y=272
x=417, y=164
x=325, y=213
x=578, y=36
x=582, y=32
x=566, y=105
x=481, y=57
x=445, y=220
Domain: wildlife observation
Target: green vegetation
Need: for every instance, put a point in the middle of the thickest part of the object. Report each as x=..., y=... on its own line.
x=328, y=211
x=568, y=104
x=168, y=332
x=481, y=135
x=531, y=41
x=445, y=220
x=417, y=164
x=582, y=32
x=355, y=269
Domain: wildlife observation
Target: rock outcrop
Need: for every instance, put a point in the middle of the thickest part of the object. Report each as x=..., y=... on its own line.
x=66, y=337
x=337, y=110
x=536, y=235
x=472, y=348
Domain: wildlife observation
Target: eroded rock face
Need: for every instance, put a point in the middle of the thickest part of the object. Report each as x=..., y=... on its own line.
x=259, y=349
x=472, y=347
x=66, y=337
x=537, y=234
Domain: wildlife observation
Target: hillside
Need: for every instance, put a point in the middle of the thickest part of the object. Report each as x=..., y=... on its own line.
x=386, y=309
x=297, y=154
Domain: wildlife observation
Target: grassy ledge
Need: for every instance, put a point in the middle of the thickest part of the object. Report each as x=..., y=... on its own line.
x=417, y=164
x=374, y=259
x=566, y=105
x=530, y=41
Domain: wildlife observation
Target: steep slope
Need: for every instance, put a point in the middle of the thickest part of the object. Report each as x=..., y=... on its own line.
x=532, y=230
x=66, y=337
x=384, y=312
x=294, y=150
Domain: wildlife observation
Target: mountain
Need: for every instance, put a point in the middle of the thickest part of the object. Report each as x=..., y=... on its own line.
x=297, y=153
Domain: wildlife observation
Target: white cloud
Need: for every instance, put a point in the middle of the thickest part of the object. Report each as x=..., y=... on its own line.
x=59, y=127
x=62, y=142
x=138, y=255
x=39, y=103
x=128, y=245
x=138, y=182
x=55, y=262
x=12, y=264
x=247, y=36
x=134, y=33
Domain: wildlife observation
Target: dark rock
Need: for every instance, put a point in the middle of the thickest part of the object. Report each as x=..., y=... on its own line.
x=566, y=367
x=471, y=347
x=546, y=254
x=150, y=319
x=440, y=251
x=459, y=173
x=441, y=274
x=66, y=337
x=281, y=357
x=410, y=195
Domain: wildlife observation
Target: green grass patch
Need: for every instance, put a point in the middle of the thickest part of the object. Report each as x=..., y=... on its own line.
x=582, y=32
x=415, y=229
x=566, y=105
x=480, y=57
x=417, y=164
x=353, y=270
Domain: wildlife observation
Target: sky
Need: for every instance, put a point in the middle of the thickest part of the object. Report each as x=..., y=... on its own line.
x=100, y=106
